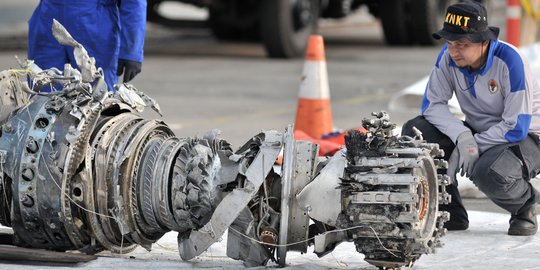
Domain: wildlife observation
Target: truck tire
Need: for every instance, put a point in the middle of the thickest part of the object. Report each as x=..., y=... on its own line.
x=286, y=25
x=432, y=14
x=233, y=21
x=221, y=27
x=396, y=21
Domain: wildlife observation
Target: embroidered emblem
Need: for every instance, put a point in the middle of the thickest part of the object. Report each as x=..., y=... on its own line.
x=492, y=86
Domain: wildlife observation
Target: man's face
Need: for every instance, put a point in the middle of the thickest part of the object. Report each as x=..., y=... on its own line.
x=465, y=53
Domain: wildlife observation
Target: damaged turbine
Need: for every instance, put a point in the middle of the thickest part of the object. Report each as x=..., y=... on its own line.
x=82, y=170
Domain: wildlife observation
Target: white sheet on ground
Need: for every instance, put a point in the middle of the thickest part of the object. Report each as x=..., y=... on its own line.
x=485, y=245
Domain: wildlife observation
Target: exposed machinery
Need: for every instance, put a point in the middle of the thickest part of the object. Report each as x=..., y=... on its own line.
x=82, y=170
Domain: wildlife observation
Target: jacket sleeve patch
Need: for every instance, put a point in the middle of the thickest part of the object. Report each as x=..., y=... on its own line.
x=521, y=129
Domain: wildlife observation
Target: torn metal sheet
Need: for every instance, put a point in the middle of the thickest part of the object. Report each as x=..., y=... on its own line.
x=233, y=203
x=86, y=64
x=136, y=99
x=321, y=197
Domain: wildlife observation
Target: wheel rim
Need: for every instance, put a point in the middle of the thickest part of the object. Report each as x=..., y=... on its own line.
x=426, y=206
x=423, y=195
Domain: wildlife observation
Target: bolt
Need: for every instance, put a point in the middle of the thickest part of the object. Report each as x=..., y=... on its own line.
x=8, y=128
x=32, y=146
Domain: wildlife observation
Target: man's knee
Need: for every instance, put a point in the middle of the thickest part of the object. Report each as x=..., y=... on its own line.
x=419, y=122
x=429, y=133
x=496, y=174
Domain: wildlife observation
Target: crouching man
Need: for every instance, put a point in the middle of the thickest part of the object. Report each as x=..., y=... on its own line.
x=497, y=145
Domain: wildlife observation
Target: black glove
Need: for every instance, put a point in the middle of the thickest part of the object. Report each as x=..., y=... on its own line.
x=129, y=68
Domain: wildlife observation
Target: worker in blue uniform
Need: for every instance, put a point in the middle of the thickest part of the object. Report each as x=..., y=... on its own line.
x=498, y=145
x=112, y=31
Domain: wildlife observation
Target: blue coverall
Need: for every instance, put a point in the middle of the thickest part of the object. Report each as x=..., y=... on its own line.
x=108, y=32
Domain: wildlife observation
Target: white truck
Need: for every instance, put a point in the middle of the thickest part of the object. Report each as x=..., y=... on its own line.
x=283, y=26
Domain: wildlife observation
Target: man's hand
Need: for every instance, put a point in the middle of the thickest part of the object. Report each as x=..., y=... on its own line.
x=129, y=68
x=468, y=152
x=464, y=156
x=453, y=165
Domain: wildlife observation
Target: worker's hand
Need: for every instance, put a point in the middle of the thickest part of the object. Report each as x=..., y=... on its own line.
x=129, y=68
x=468, y=152
x=453, y=164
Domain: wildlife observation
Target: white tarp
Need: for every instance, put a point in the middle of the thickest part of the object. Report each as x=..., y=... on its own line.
x=485, y=245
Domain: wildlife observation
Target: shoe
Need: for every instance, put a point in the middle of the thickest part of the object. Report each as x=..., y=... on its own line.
x=456, y=225
x=524, y=222
x=459, y=219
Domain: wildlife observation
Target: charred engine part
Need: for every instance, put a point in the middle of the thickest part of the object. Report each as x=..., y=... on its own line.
x=258, y=156
x=82, y=170
x=382, y=193
x=256, y=236
x=391, y=199
x=92, y=174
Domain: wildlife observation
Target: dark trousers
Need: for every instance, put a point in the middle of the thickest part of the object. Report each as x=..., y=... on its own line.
x=502, y=172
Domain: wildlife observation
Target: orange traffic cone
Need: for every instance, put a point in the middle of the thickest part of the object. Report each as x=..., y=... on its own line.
x=313, y=115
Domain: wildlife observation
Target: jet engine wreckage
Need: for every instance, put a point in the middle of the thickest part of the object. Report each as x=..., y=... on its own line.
x=83, y=170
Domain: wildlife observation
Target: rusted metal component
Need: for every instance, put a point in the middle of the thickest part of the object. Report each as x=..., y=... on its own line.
x=394, y=214
x=269, y=236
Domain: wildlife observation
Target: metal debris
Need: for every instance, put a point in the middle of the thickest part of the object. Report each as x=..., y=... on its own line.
x=81, y=169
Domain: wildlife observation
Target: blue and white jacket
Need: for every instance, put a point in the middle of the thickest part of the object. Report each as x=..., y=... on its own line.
x=501, y=101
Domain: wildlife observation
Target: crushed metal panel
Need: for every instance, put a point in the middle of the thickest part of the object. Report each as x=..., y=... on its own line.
x=86, y=63
x=286, y=186
x=322, y=197
x=323, y=241
x=233, y=203
x=304, y=165
x=239, y=247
